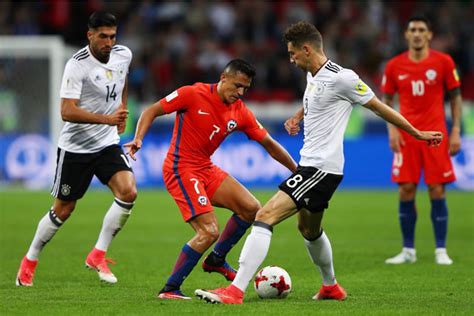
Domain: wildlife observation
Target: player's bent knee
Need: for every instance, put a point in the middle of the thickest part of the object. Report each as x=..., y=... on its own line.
x=207, y=238
x=407, y=191
x=128, y=195
x=309, y=233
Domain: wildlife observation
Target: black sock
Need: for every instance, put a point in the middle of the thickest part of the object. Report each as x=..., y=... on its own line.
x=214, y=260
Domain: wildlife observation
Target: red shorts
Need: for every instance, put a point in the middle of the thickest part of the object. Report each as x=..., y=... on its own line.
x=416, y=156
x=192, y=189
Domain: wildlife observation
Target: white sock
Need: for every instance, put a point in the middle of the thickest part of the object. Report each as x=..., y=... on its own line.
x=114, y=220
x=320, y=252
x=47, y=227
x=254, y=252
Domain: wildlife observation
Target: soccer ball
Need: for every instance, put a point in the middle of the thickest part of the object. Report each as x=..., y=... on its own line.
x=272, y=282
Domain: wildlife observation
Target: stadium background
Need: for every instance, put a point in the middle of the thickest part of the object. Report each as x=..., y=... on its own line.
x=178, y=43
x=181, y=42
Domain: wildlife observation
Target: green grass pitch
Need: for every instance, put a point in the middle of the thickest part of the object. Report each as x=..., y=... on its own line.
x=362, y=226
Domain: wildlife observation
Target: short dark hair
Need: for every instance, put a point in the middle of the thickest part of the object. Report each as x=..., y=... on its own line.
x=241, y=65
x=101, y=18
x=302, y=32
x=420, y=18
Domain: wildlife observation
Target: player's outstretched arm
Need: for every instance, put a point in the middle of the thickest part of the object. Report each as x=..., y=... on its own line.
x=278, y=153
x=143, y=125
x=71, y=112
x=292, y=125
x=395, y=139
x=433, y=138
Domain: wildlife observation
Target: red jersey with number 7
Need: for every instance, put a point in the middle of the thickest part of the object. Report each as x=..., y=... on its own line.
x=202, y=123
x=421, y=87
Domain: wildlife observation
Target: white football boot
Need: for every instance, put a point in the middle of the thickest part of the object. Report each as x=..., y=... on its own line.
x=441, y=257
x=408, y=255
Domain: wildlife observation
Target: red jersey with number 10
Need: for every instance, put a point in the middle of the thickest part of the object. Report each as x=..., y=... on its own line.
x=202, y=123
x=421, y=86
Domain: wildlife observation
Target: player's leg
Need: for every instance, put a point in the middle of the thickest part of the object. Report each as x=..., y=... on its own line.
x=255, y=249
x=313, y=193
x=188, y=190
x=320, y=251
x=112, y=168
x=234, y=196
x=72, y=178
x=47, y=228
x=439, y=171
x=207, y=231
x=406, y=171
x=439, y=219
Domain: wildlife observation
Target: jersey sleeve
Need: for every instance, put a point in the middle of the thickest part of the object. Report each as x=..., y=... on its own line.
x=177, y=100
x=73, y=77
x=126, y=53
x=388, y=85
x=452, y=78
x=251, y=126
x=350, y=87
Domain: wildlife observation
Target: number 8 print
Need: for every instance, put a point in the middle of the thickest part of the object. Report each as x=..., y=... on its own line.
x=293, y=182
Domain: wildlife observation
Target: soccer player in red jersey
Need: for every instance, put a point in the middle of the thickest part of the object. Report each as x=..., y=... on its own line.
x=420, y=76
x=205, y=115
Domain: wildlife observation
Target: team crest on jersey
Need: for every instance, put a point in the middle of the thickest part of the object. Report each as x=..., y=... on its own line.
x=202, y=200
x=231, y=125
x=431, y=74
x=319, y=87
x=361, y=87
x=65, y=189
x=109, y=74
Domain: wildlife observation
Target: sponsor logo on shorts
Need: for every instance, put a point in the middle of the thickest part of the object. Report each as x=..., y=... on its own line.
x=202, y=200
x=447, y=173
x=65, y=189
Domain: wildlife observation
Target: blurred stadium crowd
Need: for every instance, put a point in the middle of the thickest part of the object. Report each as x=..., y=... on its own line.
x=180, y=42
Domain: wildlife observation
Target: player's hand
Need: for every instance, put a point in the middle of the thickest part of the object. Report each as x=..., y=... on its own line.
x=292, y=126
x=118, y=117
x=395, y=139
x=454, y=142
x=133, y=147
x=121, y=127
x=433, y=138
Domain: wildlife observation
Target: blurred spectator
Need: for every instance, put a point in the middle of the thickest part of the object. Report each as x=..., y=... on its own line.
x=180, y=42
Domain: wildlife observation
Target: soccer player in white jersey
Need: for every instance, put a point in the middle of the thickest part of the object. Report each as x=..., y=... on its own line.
x=330, y=94
x=94, y=107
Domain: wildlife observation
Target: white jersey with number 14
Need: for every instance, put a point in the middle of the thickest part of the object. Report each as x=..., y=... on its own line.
x=98, y=87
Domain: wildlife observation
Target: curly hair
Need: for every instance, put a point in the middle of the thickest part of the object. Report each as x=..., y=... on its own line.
x=303, y=32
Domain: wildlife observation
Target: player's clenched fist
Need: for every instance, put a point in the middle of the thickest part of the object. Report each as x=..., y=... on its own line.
x=118, y=117
x=292, y=126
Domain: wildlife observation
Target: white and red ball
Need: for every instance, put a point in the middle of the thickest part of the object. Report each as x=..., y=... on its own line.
x=272, y=282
